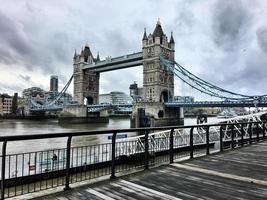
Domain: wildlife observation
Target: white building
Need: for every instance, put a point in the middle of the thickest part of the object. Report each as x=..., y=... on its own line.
x=115, y=98
x=5, y=104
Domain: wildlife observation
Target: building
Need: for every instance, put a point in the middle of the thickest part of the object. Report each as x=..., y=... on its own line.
x=54, y=84
x=33, y=92
x=135, y=92
x=5, y=104
x=115, y=98
x=183, y=99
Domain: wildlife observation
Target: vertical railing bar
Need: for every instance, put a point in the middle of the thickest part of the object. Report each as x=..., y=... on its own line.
x=3, y=170
x=250, y=133
x=258, y=132
x=171, y=146
x=233, y=137
x=242, y=135
x=29, y=171
x=146, y=150
x=264, y=129
x=221, y=138
x=207, y=140
x=9, y=163
x=191, y=143
x=113, y=155
x=35, y=163
x=67, y=180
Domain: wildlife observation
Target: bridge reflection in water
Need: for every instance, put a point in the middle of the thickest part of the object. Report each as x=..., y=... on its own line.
x=35, y=171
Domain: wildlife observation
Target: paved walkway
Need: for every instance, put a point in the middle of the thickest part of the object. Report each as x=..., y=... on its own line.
x=238, y=174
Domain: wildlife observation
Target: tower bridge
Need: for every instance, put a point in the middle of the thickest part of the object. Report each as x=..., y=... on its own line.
x=159, y=69
x=158, y=81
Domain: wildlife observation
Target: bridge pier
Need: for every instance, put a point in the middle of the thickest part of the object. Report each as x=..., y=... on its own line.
x=79, y=114
x=157, y=115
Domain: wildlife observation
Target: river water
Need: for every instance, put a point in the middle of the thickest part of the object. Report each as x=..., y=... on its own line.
x=24, y=127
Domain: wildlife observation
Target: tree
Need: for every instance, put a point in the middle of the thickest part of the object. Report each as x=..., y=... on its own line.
x=15, y=103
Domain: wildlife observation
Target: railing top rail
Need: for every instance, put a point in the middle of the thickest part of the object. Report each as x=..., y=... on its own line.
x=108, y=131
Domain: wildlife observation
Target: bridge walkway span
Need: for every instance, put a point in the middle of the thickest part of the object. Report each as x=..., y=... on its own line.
x=233, y=174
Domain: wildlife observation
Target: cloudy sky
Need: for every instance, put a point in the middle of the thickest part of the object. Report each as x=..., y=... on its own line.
x=224, y=42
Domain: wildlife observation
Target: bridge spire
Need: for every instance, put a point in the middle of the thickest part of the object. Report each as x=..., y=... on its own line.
x=158, y=22
x=144, y=36
x=158, y=32
x=171, y=39
x=97, y=57
x=75, y=54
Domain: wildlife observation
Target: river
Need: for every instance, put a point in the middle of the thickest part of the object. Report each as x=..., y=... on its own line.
x=24, y=127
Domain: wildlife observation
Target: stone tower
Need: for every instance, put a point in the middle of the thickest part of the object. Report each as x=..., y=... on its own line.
x=86, y=82
x=158, y=81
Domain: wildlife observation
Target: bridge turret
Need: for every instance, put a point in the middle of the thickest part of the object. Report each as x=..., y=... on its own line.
x=81, y=57
x=172, y=43
x=86, y=81
x=145, y=39
x=97, y=57
x=158, y=82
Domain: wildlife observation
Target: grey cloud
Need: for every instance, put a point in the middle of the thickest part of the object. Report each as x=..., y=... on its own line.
x=262, y=38
x=12, y=36
x=23, y=44
x=25, y=77
x=46, y=36
x=231, y=23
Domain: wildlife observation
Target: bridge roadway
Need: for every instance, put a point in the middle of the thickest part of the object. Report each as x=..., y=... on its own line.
x=217, y=104
x=233, y=174
x=121, y=62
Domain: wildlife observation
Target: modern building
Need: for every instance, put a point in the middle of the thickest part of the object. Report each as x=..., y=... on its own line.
x=183, y=99
x=115, y=98
x=135, y=92
x=5, y=104
x=54, y=84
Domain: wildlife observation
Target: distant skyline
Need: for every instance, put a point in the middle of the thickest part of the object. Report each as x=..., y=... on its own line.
x=223, y=42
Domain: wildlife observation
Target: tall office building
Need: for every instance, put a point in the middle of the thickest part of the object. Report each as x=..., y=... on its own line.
x=54, y=84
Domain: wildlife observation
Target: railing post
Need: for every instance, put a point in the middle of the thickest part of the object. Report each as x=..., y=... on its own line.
x=242, y=135
x=221, y=138
x=171, y=146
x=250, y=133
x=146, y=150
x=264, y=129
x=67, y=180
x=258, y=132
x=207, y=140
x=3, y=170
x=233, y=136
x=191, y=142
x=113, y=155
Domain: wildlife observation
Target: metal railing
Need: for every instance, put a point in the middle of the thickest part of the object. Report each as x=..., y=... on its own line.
x=29, y=172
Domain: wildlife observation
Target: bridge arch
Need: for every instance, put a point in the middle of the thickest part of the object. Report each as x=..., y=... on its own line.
x=89, y=100
x=165, y=96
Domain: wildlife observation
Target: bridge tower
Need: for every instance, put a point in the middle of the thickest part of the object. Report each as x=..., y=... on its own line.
x=158, y=82
x=86, y=82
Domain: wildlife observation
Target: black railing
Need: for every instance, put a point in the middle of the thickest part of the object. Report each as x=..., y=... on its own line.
x=34, y=171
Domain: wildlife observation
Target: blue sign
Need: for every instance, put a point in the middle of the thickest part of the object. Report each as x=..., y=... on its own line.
x=121, y=136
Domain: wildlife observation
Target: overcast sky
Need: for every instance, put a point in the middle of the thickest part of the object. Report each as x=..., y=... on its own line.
x=224, y=42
